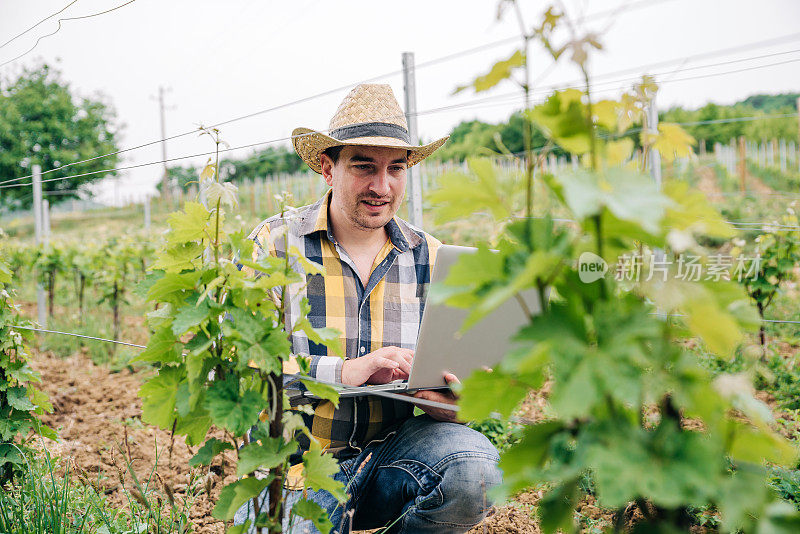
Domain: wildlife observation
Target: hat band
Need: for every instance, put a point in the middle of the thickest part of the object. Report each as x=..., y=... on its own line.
x=371, y=129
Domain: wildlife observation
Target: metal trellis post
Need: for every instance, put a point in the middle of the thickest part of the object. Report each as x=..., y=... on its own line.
x=147, y=212
x=41, y=310
x=654, y=156
x=413, y=184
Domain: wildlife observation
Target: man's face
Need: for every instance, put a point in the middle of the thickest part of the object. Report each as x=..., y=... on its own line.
x=368, y=184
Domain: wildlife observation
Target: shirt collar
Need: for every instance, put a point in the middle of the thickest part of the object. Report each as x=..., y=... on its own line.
x=403, y=237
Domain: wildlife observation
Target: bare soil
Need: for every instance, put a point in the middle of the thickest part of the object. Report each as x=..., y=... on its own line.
x=710, y=187
x=708, y=184
x=754, y=183
x=97, y=415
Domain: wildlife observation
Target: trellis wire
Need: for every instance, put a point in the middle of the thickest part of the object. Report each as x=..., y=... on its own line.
x=42, y=330
x=296, y=377
x=413, y=400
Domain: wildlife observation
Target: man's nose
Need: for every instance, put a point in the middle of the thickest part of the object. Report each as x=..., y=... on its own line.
x=380, y=182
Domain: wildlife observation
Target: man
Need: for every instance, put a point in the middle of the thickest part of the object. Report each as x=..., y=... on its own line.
x=419, y=474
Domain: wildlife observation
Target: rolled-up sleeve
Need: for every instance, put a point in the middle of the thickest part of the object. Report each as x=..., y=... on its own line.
x=326, y=369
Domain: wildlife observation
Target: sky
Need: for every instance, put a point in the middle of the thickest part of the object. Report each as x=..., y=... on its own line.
x=219, y=60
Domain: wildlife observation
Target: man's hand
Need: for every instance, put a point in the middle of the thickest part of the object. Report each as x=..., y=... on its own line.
x=378, y=367
x=437, y=396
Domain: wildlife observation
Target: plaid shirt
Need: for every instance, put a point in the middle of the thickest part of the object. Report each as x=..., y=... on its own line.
x=387, y=312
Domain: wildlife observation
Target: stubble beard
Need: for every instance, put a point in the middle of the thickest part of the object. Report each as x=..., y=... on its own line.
x=373, y=222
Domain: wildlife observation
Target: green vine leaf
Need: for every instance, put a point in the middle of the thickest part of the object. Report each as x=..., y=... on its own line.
x=159, y=395
x=323, y=391
x=267, y=454
x=319, y=469
x=234, y=495
x=563, y=119
x=208, y=451
x=505, y=391
x=190, y=224
x=556, y=506
x=500, y=71
x=229, y=409
x=311, y=510
x=18, y=399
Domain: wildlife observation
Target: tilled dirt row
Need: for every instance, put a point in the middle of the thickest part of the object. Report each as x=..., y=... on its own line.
x=97, y=415
x=95, y=411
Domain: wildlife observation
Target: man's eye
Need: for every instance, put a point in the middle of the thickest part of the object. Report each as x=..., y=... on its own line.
x=363, y=167
x=397, y=168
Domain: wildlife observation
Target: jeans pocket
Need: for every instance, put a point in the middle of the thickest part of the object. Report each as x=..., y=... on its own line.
x=432, y=500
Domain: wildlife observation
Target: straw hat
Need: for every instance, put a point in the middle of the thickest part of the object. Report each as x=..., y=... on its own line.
x=368, y=116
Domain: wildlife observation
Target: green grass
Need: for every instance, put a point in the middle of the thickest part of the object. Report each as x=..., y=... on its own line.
x=503, y=434
x=788, y=181
x=44, y=501
x=786, y=482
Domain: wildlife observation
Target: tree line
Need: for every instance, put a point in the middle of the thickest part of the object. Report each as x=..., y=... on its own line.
x=43, y=121
x=475, y=137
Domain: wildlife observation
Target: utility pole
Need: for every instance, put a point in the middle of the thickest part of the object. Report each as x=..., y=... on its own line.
x=41, y=311
x=414, y=185
x=165, y=188
x=654, y=159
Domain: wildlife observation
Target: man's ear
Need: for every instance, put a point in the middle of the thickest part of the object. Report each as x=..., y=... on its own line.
x=327, y=168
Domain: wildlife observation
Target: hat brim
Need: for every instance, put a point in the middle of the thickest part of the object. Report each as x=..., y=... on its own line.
x=309, y=144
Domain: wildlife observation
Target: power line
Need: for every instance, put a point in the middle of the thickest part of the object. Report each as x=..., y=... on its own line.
x=271, y=109
x=440, y=109
x=624, y=7
x=739, y=119
x=176, y=136
x=511, y=96
x=319, y=95
x=59, y=27
x=746, y=69
x=8, y=183
x=705, y=55
x=454, y=106
x=37, y=24
x=149, y=163
x=579, y=85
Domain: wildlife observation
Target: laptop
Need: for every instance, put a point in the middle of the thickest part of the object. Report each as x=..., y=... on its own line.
x=440, y=349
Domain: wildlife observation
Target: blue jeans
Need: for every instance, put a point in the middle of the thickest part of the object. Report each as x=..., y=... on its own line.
x=427, y=477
